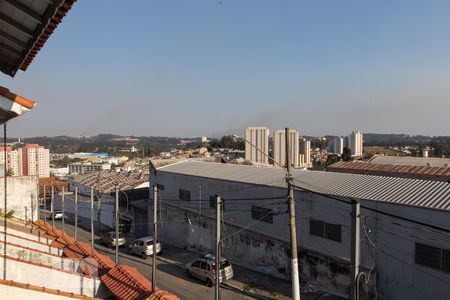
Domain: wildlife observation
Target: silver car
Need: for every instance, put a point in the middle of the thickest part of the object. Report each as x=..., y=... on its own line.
x=204, y=269
x=144, y=247
x=109, y=239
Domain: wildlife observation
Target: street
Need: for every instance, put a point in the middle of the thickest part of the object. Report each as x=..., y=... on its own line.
x=169, y=277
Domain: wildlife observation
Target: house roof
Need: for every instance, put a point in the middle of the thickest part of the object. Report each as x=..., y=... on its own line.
x=126, y=283
x=25, y=26
x=407, y=171
x=111, y=179
x=411, y=161
x=12, y=105
x=421, y=193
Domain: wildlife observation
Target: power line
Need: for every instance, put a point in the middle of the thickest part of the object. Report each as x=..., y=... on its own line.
x=377, y=210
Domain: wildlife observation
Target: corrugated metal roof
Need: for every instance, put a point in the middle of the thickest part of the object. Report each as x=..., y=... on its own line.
x=411, y=161
x=424, y=193
x=417, y=172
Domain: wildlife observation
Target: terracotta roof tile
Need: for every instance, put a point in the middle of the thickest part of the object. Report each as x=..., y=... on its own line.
x=126, y=283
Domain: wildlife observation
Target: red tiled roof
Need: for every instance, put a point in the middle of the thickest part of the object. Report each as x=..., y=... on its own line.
x=46, y=32
x=127, y=283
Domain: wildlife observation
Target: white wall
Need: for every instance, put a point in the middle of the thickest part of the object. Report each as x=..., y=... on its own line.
x=54, y=279
x=12, y=292
x=21, y=196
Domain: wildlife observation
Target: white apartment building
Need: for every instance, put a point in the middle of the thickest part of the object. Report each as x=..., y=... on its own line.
x=279, y=147
x=12, y=160
x=337, y=145
x=355, y=141
x=305, y=151
x=258, y=150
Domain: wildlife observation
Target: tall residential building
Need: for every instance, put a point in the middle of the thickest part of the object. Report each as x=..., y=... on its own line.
x=337, y=145
x=355, y=141
x=305, y=150
x=35, y=160
x=12, y=160
x=259, y=138
x=279, y=147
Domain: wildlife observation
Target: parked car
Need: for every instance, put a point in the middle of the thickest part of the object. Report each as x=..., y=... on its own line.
x=109, y=239
x=144, y=247
x=203, y=268
x=58, y=215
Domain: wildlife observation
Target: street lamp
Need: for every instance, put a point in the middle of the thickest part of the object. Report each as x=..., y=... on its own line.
x=293, y=231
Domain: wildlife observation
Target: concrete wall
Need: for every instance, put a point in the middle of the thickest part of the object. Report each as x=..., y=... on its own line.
x=55, y=279
x=55, y=262
x=84, y=209
x=387, y=249
x=12, y=292
x=22, y=196
x=30, y=244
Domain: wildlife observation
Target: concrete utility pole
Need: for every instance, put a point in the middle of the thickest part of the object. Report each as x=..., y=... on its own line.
x=92, y=218
x=52, y=205
x=155, y=235
x=76, y=213
x=217, y=270
x=63, y=208
x=117, y=225
x=356, y=250
x=294, y=259
x=45, y=206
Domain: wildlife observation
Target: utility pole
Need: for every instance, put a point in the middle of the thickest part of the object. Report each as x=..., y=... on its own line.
x=155, y=235
x=52, y=205
x=63, y=208
x=200, y=197
x=356, y=250
x=92, y=218
x=117, y=225
x=294, y=260
x=99, y=198
x=217, y=270
x=76, y=213
x=45, y=206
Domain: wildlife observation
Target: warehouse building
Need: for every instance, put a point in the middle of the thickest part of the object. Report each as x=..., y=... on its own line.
x=405, y=239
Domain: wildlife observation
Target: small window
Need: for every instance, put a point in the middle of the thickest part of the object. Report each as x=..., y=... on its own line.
x=432, y=257
x=325, y=230
x=160, y=187
x=262, y=213
x=212, y=202
x=196, y=264
x=185, y=195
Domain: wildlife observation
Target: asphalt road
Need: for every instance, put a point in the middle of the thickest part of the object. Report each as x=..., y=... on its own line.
x=169, y=277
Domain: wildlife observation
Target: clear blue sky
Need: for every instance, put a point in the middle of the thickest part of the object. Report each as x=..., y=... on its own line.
x=192, y=68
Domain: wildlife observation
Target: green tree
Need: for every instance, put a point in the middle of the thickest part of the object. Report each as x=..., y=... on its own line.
x=346, y=154
x=331, y=159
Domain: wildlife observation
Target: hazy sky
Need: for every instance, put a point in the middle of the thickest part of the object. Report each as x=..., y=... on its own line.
x=192, y=68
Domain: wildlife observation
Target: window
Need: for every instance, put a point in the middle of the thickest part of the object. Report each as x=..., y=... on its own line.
x=160, y=187
x=325, y=230
x=196, y=264
x=262, y=213
x=185, y=195
x=212, y=202
x=432, y=257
